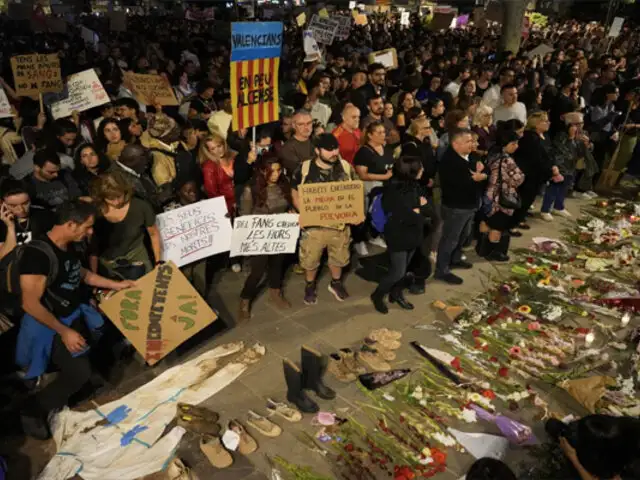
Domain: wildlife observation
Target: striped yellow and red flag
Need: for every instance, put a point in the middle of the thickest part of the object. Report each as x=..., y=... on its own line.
x=254, y=92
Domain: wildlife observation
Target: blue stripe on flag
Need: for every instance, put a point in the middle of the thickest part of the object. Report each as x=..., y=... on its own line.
x=255, y=40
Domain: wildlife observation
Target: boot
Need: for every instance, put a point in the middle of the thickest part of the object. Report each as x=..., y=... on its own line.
x=483, y=247
x=277, y=299
x=505, y=242
x=314, y=366
x=295, y=393
x=496, y=254
x=377, y=297
x=396, y=296
x=244, y=310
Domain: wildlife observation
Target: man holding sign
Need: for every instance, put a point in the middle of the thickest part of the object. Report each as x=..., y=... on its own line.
x=328, y=197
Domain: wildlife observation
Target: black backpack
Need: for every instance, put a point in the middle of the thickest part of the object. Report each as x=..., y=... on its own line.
x=10, y=271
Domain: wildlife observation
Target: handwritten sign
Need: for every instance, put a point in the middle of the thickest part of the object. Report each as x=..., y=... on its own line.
x=5, y=107
x=85, y=92
x=324, y=29
x=361, y=19
x=388, y=58
x=327, y=204
x=150, y=89
x=195, y=231
x=301, y=19
x=616, y=27
x=159, y=313
x=36, y=73
x=265, y=234
x=344, y=26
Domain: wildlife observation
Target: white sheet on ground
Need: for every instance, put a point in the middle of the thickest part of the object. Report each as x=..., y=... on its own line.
x=95, y=451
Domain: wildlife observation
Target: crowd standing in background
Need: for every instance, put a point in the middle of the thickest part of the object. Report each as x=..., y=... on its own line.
x=455, y=145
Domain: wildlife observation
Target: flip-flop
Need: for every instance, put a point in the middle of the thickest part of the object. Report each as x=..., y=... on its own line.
x=247, y=443
x=290, y=414
x=215, y=452
x=263, y=425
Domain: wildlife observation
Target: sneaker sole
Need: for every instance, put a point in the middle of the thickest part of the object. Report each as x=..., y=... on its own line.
x=335, y=294
x=306, y=302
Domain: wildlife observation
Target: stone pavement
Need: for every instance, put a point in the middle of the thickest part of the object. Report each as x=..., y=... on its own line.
x=327, y=326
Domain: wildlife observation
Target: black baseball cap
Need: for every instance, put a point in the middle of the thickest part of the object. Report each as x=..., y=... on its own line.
x=326, y=141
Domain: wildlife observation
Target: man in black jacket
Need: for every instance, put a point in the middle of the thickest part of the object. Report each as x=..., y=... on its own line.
x=460, y=183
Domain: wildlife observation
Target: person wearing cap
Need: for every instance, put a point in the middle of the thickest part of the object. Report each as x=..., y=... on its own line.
x=327, y=166
x=162, y=139
x=504, y=179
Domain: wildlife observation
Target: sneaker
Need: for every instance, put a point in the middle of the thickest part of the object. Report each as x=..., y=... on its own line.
x=378, y=242
x=310, y=294
x=546, y=216
x=591, y=194
x=361, y=249
x=433, y=256
x=338, y=368
x=349, y=360
x=338, y=290
x=450, y=278
x=583, y=195
x=371, y=359
x=177, y=470
x=215, y=452
x=236, y=268
x=563, y=213
x=462, y=264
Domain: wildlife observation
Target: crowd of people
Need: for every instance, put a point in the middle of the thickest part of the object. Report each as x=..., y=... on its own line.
x=453, y=146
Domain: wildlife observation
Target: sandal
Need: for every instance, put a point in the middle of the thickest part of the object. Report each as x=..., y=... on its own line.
x=197, y=412
x=285, y=411
x=382, y=334
x=383, y=343
x=198, y=425
x=264, y=426
x=215, y=452
x=247, y=443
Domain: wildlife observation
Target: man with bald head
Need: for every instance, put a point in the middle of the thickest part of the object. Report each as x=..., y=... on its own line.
x=348, y=133
x=298, y=148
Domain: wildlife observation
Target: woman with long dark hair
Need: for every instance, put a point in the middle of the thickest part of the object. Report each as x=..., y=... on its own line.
x=268, y=194
x=88, y=165
x=109, y=139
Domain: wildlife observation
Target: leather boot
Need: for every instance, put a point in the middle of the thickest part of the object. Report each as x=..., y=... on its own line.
x=244, y=311
x=505, y=242
x=483, y=247
x=314, y=366
x=397, y=296
x=497, y=254
x=377, y=297
x=276, y=297
x=295, y=393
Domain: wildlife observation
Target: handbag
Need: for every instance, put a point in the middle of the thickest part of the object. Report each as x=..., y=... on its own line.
x=507, y=200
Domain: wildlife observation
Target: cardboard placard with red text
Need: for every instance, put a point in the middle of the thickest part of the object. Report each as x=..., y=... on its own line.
x=332, y=203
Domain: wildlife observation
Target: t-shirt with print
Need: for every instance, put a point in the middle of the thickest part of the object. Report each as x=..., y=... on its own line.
x=54, y=193
x=65, y=294
x=376, y=164
x=39, y=222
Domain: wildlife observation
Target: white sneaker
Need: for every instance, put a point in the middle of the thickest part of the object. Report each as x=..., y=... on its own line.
x=378, y=242
x=236, y=268
x=361, y=249
x=591, y=194
x=583, y=195
x=532, y=208
x=563, y=213
x=546, y=216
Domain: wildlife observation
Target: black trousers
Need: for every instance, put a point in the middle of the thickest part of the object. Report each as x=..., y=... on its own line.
x=393, y=281
x=528, y=194
x=261, y=264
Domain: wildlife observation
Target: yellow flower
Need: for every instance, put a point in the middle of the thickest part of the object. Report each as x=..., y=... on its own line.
x=526, y=309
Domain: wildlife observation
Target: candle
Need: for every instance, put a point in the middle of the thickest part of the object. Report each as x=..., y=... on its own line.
x=589, y=338
x=624, y=321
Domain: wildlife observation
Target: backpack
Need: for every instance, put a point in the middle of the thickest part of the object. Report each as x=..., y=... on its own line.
x=306, y=166
x=378, y=216
x=10, y=272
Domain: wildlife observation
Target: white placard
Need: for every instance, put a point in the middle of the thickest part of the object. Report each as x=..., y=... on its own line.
x=352, y=5
x=344, y=26
x=541, y=50
x=616, y=27
x=89, y=36
x=5, y=106
x=324, y=29
x=404, y=18
x=265, y=234
x=386, y=59
x=85, y=92
x=311, y=49
x=195, y=231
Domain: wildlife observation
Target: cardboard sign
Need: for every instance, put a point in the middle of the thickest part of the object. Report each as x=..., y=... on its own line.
x=85, y=92
x=541, y=50
x=5, y=107
x=344, y=26
x=265, y=234
x=117, y=21
x=159, y=313
x=327, y=204
x=323, y=13
x=388, y=58
x=195, y=231
x=324, y=29
x=204, y=15
x=150, y=89
x=404, y=18
x=494, y=12
x=36, y=73
x=441, y=21
x=361, y=19
x=616, y=27
x=255, y=62
x=311, y=49
x=301, y=19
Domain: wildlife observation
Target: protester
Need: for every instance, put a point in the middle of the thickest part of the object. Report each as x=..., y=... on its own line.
x=89, y=164
x=109, y=139
x=348, y=134
x=484, y=128
x=510, y=108
x=49, y=185
x=298, y=148
x=217, y=164
x=161, y=139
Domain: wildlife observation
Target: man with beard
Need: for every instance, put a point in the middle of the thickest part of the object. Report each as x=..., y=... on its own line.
x=327, y=166
x=376, y=114
x=375, y=87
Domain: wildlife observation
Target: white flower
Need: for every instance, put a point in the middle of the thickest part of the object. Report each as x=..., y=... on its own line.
x=518, y=322
x=509, y=320
x=446, y=440
x=468, y=415
x=388, y=397
x=423, y=402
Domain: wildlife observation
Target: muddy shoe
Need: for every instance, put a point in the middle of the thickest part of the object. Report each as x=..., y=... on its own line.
x=349, y=359
x=283, y=410
x=215, y=452
x=247, y=443
x=177, y=470
x=385, y=353
x=264, y=426
x=383, y=334
x=198, y=425
x=372, y=359
x=197, y=412
x=386, y=344
x=339, y=369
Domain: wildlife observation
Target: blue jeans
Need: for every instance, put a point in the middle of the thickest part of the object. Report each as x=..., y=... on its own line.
x=456, y=228
x=555, y=194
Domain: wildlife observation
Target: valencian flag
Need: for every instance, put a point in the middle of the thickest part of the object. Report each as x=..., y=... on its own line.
x=255, y=60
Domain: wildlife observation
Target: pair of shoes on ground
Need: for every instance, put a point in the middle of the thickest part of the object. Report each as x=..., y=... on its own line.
x=547, y=217
x=308, y=377
x=396, y=295
x=336, y=287
x=452, y=278
x=378, y=349
x=276, y=298
x=344, y=366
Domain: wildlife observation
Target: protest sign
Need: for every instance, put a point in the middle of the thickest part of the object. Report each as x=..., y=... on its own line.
x=195, y=231
x=90, y=37
x=326, y=204
x=255, y=62
x=150, y=89
x=117, y=21
x=361, y=19
x=200, y=15
x=5, y=107
x=159, y=313
x=311, y=49
x=404, y=18
x=541, y=50
x=388, y=58
x=441, y=21
x=323, y=13
x=265, y=234
x=344, y=26
x=36, y=73
x=494, y=12
x=616, y=27
x=85, y=92
x=352, y=5
x=301, y=19
x=324, y=29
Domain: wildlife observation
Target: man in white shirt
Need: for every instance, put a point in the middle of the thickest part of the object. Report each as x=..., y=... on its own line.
x=492, y=97
x=317, y=88
x=511, y=108
x=454, y=87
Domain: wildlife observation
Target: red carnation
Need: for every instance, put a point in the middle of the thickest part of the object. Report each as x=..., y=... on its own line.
x=489, y=394
x=475, y=333
x=455, y=363
x=503, y=372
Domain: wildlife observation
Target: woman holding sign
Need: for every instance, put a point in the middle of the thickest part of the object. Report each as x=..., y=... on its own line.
x=269, y=193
